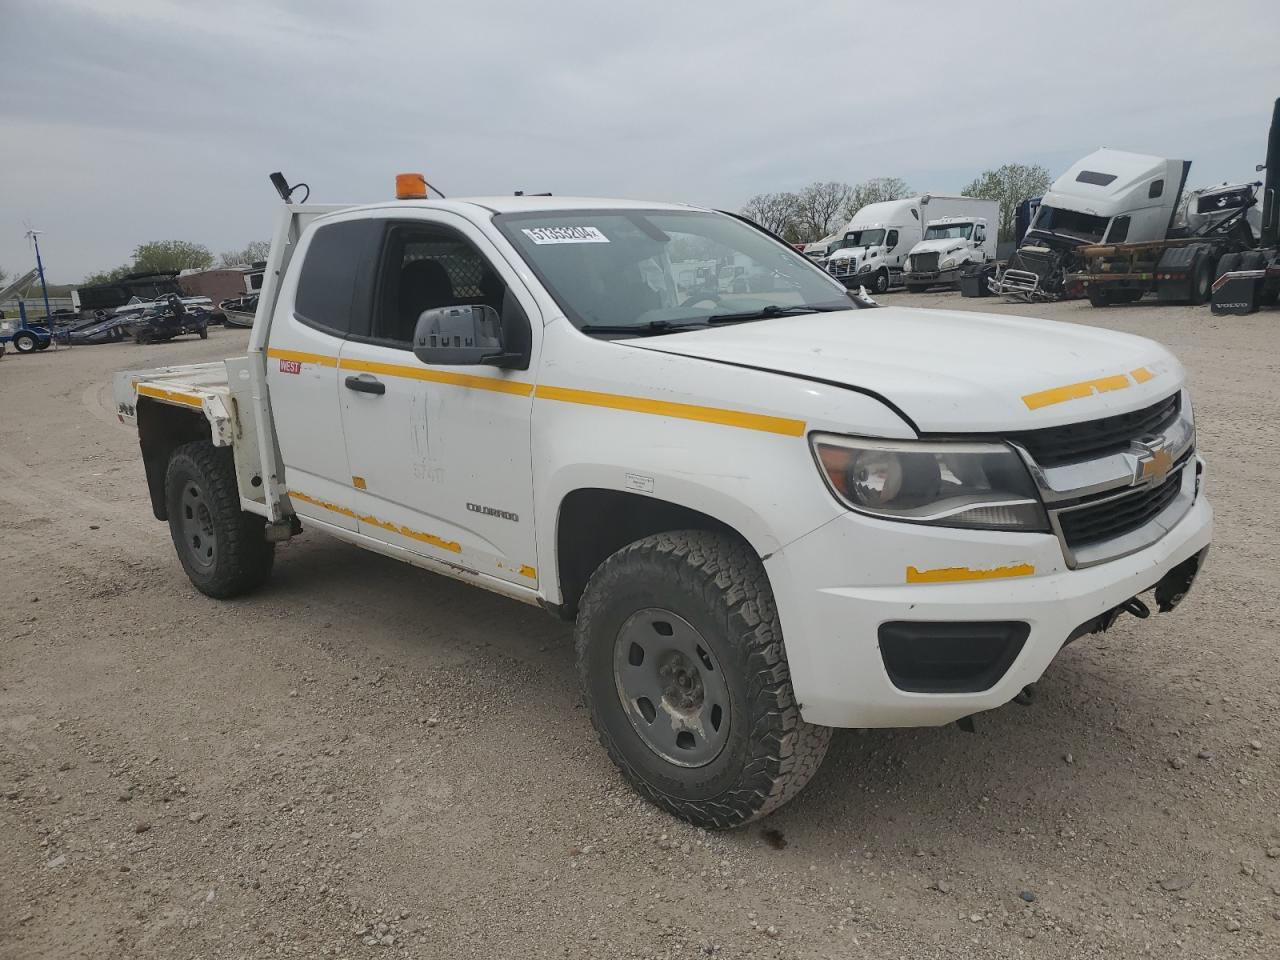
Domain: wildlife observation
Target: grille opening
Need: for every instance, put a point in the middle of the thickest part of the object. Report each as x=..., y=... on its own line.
x=1114, y=518
x=1054, y=446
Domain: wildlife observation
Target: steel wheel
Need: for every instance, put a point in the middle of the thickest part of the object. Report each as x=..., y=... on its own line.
x=198, y=531
x=671, y=687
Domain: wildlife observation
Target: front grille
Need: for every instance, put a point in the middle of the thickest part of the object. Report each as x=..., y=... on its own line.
x=1054, y=446
x=1115, y=518
x=841, y=268
x=924, y=262
x=1033, y=261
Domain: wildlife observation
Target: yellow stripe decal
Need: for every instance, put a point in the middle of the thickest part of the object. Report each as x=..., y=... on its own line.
x=1085, y=388
x=683, y=411
x=962, y=574
x=172, y=396
x=418, y=535
x=520, y=388
x=450, y=545
x=322, y=504
x=319, y=359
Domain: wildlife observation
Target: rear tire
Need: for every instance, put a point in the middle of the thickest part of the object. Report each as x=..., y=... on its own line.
x=222, y=548
x=1098, y=297
x=718, y=740
x=1253, y=260
x=917, y=287
x=204, y=333
x=1201, y=280
x=1229, y=262
x=24, y=341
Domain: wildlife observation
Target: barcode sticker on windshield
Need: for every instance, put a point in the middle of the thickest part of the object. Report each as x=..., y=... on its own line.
x=565, y=235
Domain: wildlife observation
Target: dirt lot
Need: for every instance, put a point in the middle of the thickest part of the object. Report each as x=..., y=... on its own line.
x=366, y=760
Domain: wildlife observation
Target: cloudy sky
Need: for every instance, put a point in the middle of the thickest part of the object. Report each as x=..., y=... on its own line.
x=123, y=121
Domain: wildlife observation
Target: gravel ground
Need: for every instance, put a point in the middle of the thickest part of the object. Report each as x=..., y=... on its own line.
x=365, y=760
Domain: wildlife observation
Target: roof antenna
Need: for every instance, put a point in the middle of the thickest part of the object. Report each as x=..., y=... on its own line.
x=282, y=187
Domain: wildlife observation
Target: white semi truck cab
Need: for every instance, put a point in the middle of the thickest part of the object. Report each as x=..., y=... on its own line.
x=876, y=242
x=767, y=513
x=950, y=244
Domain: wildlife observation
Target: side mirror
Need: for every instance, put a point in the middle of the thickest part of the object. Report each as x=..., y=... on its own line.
x=458, y=336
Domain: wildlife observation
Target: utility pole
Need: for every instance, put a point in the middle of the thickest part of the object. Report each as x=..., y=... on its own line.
x=34, y=237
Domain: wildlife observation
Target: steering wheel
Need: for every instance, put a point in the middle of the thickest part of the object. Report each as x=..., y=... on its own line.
x=701, y=298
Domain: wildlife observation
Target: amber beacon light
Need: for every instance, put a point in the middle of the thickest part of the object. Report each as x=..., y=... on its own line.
x=411, y=186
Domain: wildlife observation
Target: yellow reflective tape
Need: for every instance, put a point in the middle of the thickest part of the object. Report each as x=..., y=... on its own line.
x=1076, y=391
x=450, y=545
x=961, y=574
x=521, y=388
x=172, y=396
x=683, y=411
x=528, y=571
x=322, y=504
x=1142, y=374
x=319, y=359
x=359, y=483
x=412, y=534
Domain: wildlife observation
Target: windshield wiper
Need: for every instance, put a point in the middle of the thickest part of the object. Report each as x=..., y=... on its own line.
x=773, y=310
x=640, y=329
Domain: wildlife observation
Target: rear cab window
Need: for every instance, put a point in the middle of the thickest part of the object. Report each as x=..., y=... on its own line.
x=335, y=285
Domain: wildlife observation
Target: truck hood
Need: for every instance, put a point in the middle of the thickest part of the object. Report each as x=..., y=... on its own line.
x=940, y=246
x=950, y=371
x=849, y=253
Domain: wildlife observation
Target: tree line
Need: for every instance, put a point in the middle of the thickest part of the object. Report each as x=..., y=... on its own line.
x=823, y=207
x=174, y=256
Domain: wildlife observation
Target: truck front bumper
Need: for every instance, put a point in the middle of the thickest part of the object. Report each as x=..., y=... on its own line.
x=850, y=612
x=931, y=277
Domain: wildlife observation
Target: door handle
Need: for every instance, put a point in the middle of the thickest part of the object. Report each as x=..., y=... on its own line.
x=366, y=384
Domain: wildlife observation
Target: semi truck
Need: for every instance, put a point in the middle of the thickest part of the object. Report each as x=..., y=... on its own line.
x=952, y=243
x=1110, y=196
x=874, y=245
x=1249, y=279
x=766, y=514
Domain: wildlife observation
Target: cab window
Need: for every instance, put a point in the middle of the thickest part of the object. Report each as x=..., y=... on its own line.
x=891, y=240
x=336, y=281
x=424, y=267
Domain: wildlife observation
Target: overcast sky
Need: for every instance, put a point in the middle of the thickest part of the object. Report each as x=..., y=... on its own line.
x=123, y=121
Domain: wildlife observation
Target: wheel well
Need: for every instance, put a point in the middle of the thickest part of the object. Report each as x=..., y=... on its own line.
x=162, y=428
x=594, y=524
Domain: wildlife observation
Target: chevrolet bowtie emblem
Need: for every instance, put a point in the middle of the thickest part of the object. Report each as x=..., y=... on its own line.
x=1155, y=465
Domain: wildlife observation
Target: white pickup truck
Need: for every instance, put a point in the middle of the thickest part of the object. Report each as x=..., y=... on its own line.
x=769, y=514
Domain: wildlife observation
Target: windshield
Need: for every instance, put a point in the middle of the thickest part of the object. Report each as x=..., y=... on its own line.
x=948, y=231
x=1070, y=223
x=652, y=268
x=861, y=238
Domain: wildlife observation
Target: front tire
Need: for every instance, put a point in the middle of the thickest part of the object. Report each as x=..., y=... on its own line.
x=881, y=284
x=222, y=548
x=682, y=665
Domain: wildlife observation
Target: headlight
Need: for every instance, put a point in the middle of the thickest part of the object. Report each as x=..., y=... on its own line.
x=975, y=485
x=949, y=262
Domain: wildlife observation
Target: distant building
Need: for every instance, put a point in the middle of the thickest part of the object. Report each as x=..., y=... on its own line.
x=222, y=283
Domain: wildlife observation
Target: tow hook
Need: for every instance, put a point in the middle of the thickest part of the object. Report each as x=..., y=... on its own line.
x=1136, y=607
x=1026, y=696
